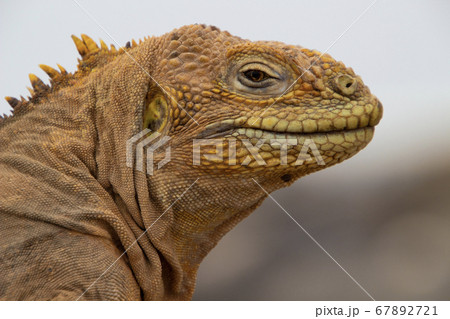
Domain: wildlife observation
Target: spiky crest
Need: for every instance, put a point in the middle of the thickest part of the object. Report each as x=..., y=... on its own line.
x=92, y=56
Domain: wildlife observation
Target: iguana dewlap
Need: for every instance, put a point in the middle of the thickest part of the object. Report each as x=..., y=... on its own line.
x=70, y=205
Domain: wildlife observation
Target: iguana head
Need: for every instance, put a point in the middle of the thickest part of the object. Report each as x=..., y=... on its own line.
x=257, y=109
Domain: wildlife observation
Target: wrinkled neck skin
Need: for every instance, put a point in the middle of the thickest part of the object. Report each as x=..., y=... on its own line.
x=195, y=211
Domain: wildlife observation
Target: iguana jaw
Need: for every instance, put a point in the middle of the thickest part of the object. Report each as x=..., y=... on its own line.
x=336, y=141
x=303, y=153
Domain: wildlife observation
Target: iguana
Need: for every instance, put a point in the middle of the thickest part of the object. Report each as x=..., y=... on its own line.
x=78, y=223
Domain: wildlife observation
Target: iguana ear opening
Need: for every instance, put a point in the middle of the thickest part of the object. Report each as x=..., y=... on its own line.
x=156, y=112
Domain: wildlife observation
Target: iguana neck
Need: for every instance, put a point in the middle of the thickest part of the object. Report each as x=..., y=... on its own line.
x=183, y=229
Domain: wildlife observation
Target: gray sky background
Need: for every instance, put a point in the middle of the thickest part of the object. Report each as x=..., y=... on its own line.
x=400, y=48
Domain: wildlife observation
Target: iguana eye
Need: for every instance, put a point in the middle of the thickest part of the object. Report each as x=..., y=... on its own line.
x=256, y=75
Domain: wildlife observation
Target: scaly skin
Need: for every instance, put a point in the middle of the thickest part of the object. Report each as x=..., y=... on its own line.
x=71, y=209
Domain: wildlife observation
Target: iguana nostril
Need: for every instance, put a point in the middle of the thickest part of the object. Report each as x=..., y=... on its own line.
x=346, y=84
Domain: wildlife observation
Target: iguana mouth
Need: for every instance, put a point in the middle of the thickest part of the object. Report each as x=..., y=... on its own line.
x=230, y=125
x=222, y=129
